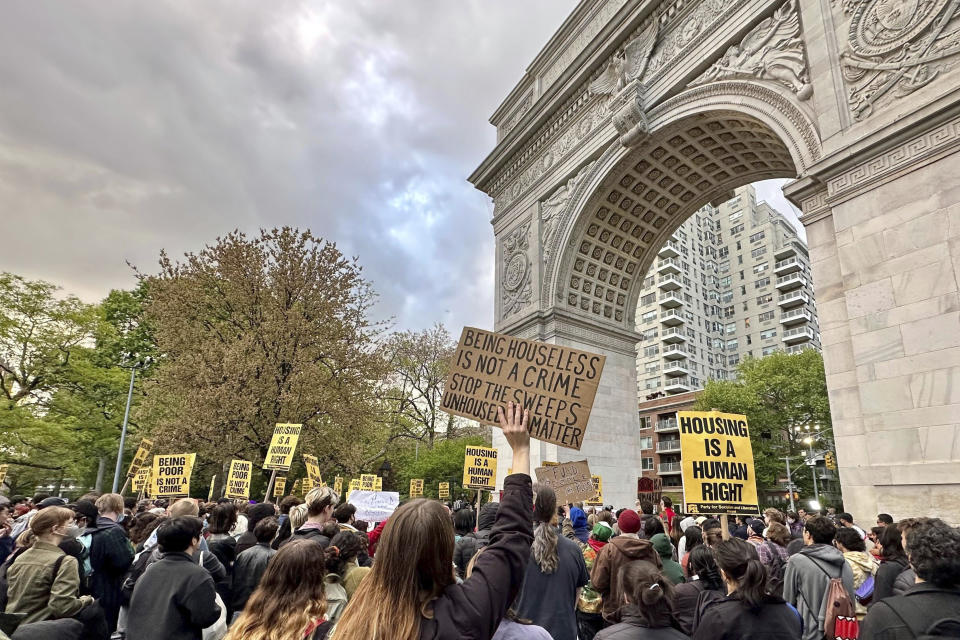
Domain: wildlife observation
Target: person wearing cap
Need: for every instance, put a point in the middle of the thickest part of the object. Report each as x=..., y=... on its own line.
x=625, y=548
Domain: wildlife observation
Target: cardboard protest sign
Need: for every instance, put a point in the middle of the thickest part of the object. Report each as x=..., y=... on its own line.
x=480, y=468
x=313, y=469
x=570, y=481
x=556, y=384
x=375, y=506
x=416, y=487
x=141, y=479
x=597, y=500
x=649, y=490
x=171, y=475
x=338, y=484
x=717, y=463
x=282, y=445
x=279, y=485
x=367, y=481
x=443, y=491
x=140, y=457
x=238, y=480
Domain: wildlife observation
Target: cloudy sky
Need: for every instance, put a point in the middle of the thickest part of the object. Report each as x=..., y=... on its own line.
x=131, y=127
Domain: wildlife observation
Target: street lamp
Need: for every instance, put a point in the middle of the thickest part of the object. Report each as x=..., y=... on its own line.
x=813, y=468
x=126, y=416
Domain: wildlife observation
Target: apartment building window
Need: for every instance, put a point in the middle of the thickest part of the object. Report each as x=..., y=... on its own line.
x=650, y=298
x=758, y=236
x=732, y=344
x=650, y=334
x=726, y=296
x=691, y=332
x=725, y=266
x=765, y=298
x=652, y=350
x=651, y=383
x=749, y=339
x=735, y=216
x=728, y=312
x=769, y=333
x=759, y=251
x=733, y=360
x=746, y=305
x=651, y=368
x=718, y=343
x=644, y=422
x=767, y=316
x=743, y=289
x=649, y=317
x=724, y=252
x=731, y=328
x=646, y=464
x=646, y=442
x=760, y=268
x=736, y=229
x=768, y=350
x=724, y=282
x=648, y=282
x=761, y=283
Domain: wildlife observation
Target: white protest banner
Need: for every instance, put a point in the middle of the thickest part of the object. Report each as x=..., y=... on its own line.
x=374, y=506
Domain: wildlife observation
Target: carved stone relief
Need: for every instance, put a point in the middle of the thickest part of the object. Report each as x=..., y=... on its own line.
x=773, y=50
x=896, y=47
x=515, y=117
x=551, y=208
x=687, y=34
x=517, y=271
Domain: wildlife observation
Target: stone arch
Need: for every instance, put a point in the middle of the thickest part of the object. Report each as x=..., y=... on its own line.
x=703, y=143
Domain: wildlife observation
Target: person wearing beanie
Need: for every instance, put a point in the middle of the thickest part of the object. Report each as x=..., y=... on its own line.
x=671, y=568
x=626, y=547
x=600, y=535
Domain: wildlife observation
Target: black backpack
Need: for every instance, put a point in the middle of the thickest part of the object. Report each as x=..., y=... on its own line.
x=140, y=563
x=775, y=572
x=920, y=624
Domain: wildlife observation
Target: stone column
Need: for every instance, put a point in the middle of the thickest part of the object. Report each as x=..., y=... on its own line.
x=611, y=442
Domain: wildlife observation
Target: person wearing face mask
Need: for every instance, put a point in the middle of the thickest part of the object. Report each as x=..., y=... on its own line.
x=42, y=581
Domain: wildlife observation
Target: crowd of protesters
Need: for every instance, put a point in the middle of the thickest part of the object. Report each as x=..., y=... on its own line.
x=104, y=567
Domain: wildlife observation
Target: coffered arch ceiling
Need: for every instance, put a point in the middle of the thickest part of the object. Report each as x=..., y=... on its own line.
x=647, y=194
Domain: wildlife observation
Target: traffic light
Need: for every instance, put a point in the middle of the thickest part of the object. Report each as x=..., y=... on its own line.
x=830, y=460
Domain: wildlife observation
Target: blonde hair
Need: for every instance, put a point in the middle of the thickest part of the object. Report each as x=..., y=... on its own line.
x=110, y=503
x=49, y=518
x=319, y=498
x=184, y=507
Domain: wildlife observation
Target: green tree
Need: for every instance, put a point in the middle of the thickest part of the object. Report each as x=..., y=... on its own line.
x=784, y=398
x=442, y=463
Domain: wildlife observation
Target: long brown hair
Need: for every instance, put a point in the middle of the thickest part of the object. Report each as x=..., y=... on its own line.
x=414, y=565
x=290, y=597
x=544, y=549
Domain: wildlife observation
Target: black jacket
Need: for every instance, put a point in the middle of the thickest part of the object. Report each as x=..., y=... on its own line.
x=468, y=545
x=173, y=600
x=907, y=616
x=110, y=556
x=886, y=577
x=686, y=598
x=633, y=626
x=247, y=571
x=730, y=619
x=473, y=610
x=310, y=533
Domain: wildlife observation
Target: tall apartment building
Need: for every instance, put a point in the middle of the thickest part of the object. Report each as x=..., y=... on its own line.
x=732, y=282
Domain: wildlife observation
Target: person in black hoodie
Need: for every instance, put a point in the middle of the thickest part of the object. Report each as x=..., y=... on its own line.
x=411, y=593
x=471, y=543
x=111, y=554
x=748, y=612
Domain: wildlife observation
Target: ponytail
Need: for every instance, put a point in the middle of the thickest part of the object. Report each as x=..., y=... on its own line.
x=739, y=560
x=647, y=588
x=544, y=547
x=703, y=565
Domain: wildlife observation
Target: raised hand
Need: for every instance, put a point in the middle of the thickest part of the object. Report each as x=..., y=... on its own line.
x=513, y=421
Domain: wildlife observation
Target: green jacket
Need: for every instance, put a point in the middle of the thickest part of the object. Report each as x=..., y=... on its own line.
x=35, y=591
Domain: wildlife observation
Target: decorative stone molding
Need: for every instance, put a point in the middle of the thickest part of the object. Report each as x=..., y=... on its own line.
x=815, y=207
x=627, y=65
x=588, y=32
x=515, y=117
x=773, y=50
x=628, y=117
x=895, y=47
x=517, y=271
x=551, y=208
x=687, y=34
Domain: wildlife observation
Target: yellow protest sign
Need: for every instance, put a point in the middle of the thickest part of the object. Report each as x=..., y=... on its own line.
x=547, y=463
x=141, y=479
x=282, y=446
x=480, y=468
x=307, y=486
x=597, y=500
x=443, y=490
x=353, y=486
x=717, y=463
x=238, y=481
x=279, y=485
x=338, y=484
x=140, y=457
x=416, y=487
x=213, y=481
x=367, y=482
x=378, y=484
x=313, y=469
x=296, y=486
x=171, y=475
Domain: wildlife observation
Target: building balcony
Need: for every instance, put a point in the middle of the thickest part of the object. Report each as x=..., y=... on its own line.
x=668, y=468
x=674, y=335
x=677, y=385
x=672, y=318
x=674, y=352
x=797, y=335
x=668, y=265
x=795, y=316
x=789, y=265
x=794, y=298
x=791, y=281
x=669, y=282
x=669, y=446
x=670, y=299
x=676, y=369
x=791, y=247
x=798, y=348
x=666, y=426
x=670, y=249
